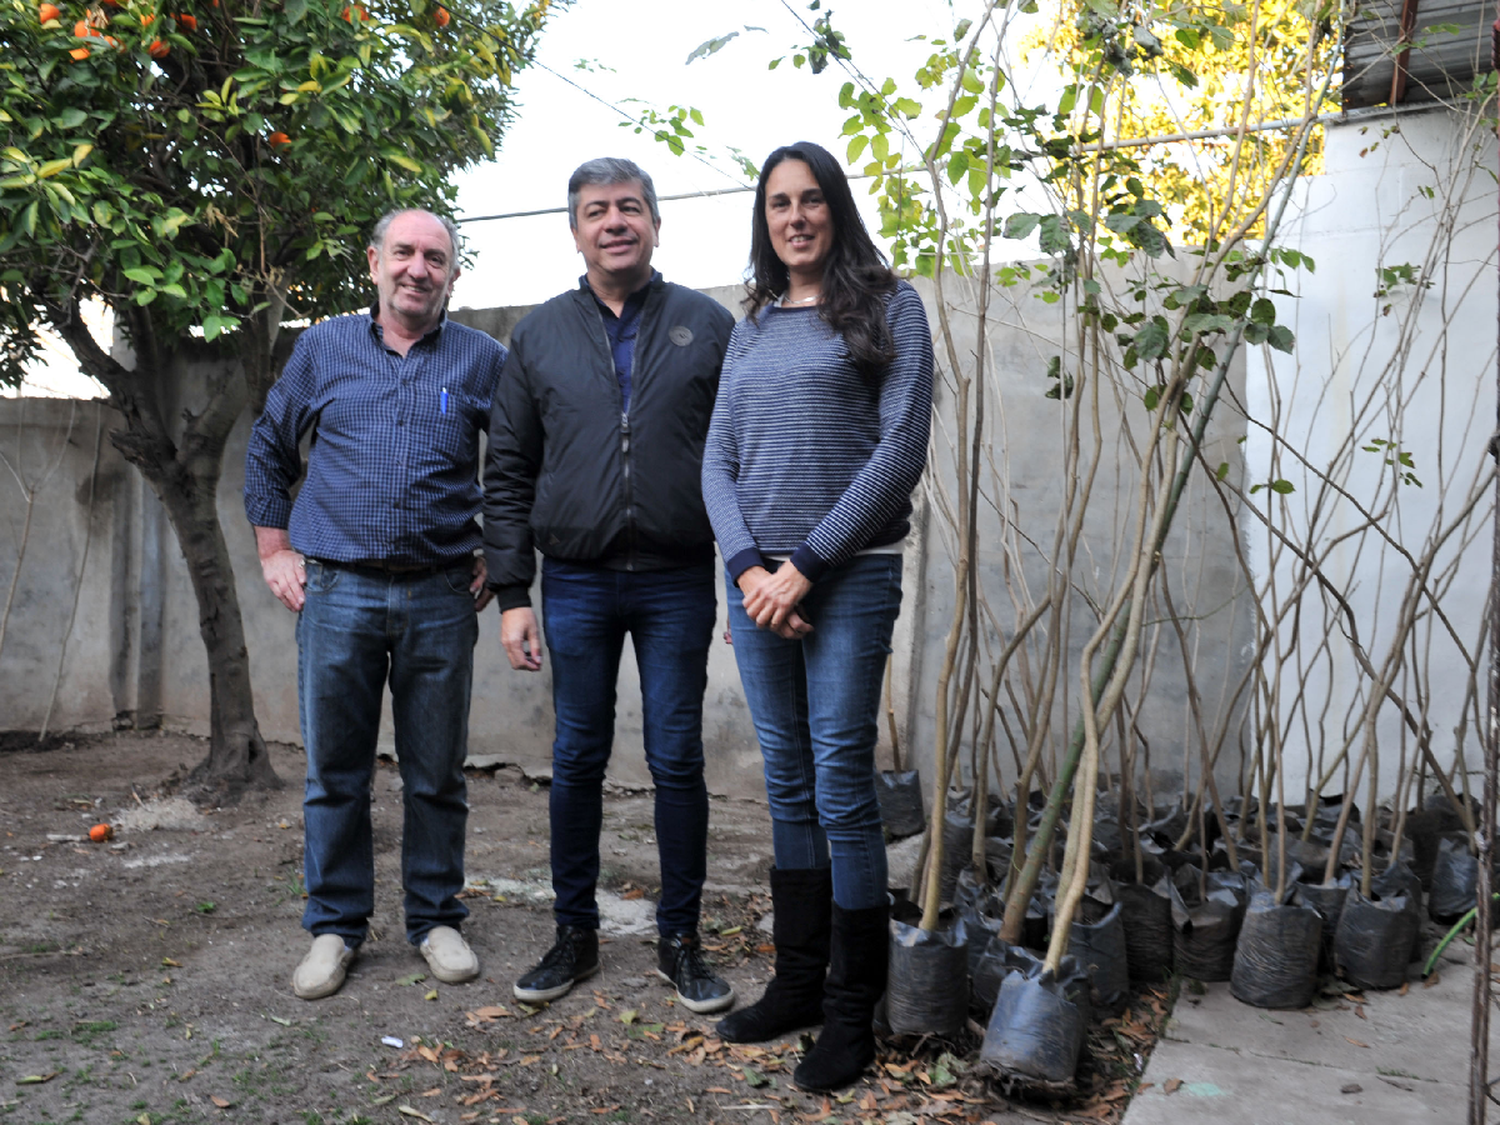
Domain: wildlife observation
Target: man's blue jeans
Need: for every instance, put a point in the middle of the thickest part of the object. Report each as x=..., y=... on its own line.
x=669, y=615
x=815, y=703
x=357, y=628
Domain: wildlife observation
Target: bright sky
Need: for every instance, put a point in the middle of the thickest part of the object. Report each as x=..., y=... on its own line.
x=639, y=50
x=703, y=242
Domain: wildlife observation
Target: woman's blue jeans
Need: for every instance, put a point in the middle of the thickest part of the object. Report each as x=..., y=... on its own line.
x=669, y=614
x=815, y=703
x=358, y=629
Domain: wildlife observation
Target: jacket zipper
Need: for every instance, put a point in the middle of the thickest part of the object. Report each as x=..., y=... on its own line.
x=629, y=483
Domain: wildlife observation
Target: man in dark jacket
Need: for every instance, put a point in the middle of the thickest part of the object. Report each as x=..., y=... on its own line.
x=596, y=445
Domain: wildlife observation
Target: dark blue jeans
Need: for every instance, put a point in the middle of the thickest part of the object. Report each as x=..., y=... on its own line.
x=357, y=629
x=815, y=703
x=669, y=614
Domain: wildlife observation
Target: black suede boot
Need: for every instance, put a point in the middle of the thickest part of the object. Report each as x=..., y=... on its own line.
x=856, y=981
x=800, y=922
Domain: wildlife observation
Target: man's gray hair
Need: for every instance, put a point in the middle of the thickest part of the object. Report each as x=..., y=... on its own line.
x=609, y=170
x=377, y=236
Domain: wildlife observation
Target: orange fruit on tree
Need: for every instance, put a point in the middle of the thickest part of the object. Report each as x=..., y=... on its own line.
x=147, y=20
x=187, y=22
x=48, y=12
x=158, y=49
x=278, y=139
x=82, y=30
x=441, y=16
x=79, y=53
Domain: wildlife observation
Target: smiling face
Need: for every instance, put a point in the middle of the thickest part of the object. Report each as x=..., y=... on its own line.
x=616, y=235
x=798, y=220
x=414, y=271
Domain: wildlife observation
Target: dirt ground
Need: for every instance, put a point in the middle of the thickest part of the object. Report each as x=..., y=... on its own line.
x=145, y=980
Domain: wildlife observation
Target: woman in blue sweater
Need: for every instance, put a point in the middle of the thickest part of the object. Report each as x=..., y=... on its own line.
x=819, y=435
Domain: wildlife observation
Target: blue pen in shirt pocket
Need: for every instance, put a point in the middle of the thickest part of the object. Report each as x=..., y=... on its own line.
x=443, y=402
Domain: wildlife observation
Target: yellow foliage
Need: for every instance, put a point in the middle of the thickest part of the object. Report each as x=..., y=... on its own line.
x=1197, y=68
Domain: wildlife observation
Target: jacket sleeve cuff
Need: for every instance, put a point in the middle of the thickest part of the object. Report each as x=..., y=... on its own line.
x=512, y=597
x=811, y=567
x=742, y=561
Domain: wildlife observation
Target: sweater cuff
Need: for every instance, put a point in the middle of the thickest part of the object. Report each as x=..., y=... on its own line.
x=811, y=567
x=512, y=597
x=742, y=561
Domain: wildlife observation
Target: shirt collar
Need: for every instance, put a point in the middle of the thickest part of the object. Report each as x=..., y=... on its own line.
x=636, y=298
x=378, y=330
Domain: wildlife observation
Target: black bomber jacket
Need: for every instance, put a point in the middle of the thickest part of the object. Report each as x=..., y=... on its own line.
x=572, y=475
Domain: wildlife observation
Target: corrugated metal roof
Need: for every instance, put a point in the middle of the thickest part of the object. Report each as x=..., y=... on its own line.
x=1442, y=60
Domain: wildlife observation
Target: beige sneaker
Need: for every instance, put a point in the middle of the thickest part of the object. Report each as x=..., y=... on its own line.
x=449, y=956
x=322, y=970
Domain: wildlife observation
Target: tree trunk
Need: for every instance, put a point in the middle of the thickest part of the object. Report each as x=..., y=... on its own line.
x=237, y=756
x=184, y=475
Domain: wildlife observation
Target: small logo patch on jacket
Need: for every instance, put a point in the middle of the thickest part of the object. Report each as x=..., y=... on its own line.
x=681, y=335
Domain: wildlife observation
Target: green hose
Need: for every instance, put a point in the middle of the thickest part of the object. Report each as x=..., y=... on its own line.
x=1451, y=934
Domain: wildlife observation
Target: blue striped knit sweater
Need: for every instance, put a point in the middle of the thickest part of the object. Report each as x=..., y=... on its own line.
x=805, y=457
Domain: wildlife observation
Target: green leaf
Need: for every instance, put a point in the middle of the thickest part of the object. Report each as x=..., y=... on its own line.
x=1152, y=340
x=1281, y=338
x=70, y=118
x=856, y=147
x=1223, y=470
x=1284, y=487
x=403, y=161
x=143, y=275
x=1021, y=225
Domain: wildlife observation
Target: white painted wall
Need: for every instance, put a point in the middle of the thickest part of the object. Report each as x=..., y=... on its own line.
x=1415, y=366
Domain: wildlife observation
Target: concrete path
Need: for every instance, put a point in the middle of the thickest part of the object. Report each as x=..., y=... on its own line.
x=1390, y=1060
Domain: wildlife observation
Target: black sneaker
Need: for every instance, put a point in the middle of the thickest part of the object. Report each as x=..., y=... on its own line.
x=679, y=962
x=572, y=958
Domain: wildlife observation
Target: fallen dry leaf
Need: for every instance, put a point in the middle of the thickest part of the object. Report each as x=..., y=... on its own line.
x=1357, y=1043
x=1359, y=1010
x=222, y=1103
x=1171, y=1085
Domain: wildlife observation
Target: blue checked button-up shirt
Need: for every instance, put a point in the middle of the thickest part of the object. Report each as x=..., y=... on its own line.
x=393, y=471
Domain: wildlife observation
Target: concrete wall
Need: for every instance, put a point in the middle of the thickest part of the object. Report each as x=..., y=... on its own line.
x=134, y=653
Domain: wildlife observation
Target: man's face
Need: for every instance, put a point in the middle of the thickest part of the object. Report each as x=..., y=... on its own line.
x=615, y=233
x=414, y=270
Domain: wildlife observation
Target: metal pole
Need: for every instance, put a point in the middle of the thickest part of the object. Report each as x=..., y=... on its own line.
x=1479, y=1038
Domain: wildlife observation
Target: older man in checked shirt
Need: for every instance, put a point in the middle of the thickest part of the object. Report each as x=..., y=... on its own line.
x=378, y=557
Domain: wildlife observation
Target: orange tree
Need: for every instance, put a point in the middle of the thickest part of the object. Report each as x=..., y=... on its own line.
x=206, y=169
